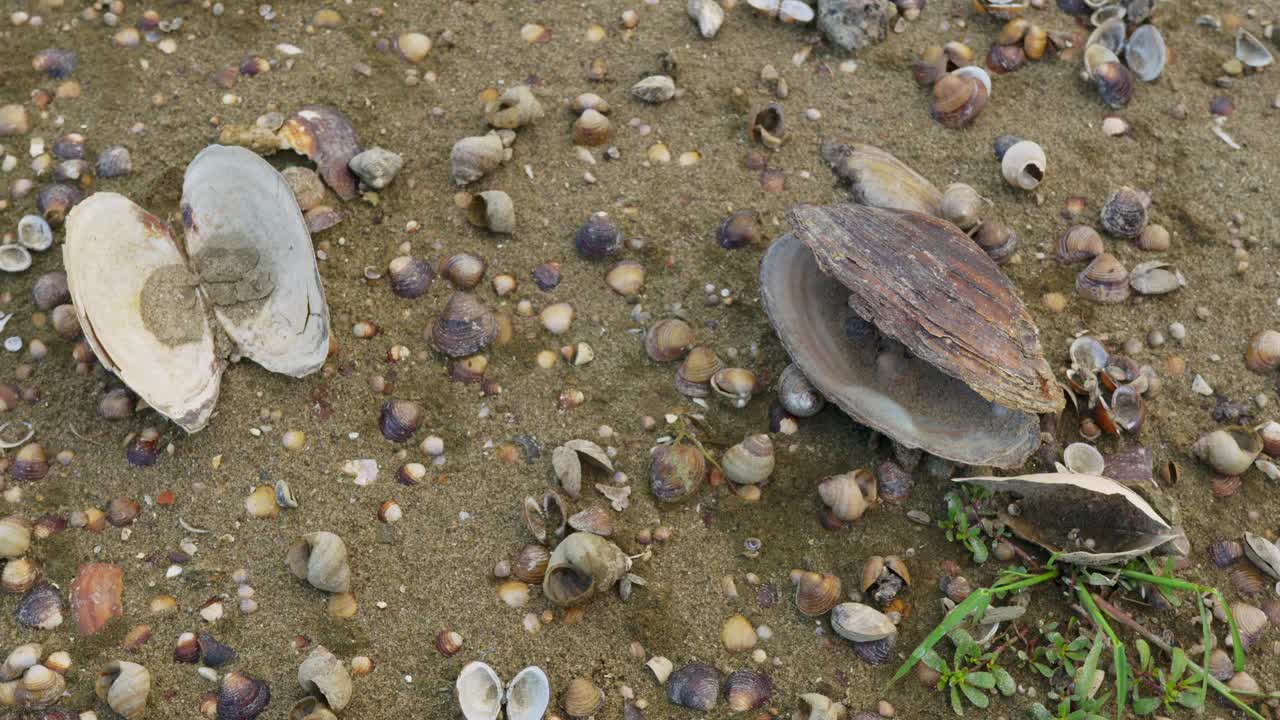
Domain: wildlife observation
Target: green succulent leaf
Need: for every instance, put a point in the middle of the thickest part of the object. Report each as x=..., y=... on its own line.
x=1005, y=682
x=976, y=696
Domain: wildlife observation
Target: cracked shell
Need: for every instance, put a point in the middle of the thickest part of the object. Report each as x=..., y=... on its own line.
x=325, y=135
x=969, y=376
x=325, y=675
x=879, y=179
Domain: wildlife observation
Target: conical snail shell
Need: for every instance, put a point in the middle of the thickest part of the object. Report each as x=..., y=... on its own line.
x=320, y=558
x=124, y=686
x=750, y=462
x=582, y=566
x=473, y=157
x=323, y=674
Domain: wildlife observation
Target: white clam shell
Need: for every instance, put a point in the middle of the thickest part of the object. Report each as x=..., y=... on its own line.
x=14, y=258
x=479, y=692
x=1251, y=51
x=1145, y=53
x=34, y=233
x=1263, y=553
x=861, y=623
x=528, y=694
x=1083, y=459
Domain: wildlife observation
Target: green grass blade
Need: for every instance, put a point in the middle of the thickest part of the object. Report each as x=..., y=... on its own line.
x=1207, y=639
x=1121, y=663
x=1084, y=676
x=1237, y=647
x=980, y=597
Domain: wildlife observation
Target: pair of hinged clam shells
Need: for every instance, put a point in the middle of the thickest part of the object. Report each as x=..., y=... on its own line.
x=162, y=314
x=481, y=694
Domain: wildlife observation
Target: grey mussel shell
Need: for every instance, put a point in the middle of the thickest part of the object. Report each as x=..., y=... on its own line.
x=582, y=566
x=242, y=697
x=797, y=394
x=695, y=686
x=465, y=326
x=320, y=558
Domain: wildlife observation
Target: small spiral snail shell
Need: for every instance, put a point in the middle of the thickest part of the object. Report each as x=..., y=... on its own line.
x=473, y=157
x=320, y=558
x=797, y=395
x=958, y=99
x=750, y=462
x=962, y=206
x=1023, y=165
x=124, y=686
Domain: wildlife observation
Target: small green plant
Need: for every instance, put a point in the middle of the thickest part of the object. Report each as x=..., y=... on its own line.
x=1054, y=651
x=965, y=524
x=1081, y=703
x=1175, y=688
x=971, y=674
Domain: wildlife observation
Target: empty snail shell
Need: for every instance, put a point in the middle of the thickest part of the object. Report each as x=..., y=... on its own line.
x=668, y=340
x=516, y=107
x=1115, y=84
x=997, y=240
x=242, y=697
x=847, y=494
x=797, y=395
x=474, y=157
x=320, y=558
x=465, y=326
x=592, y=128
x=958, y=99
x=861, y=623
x=410, y=277
x=15, y=537
x=1124, y=215
x=582, y=566
x=1023, y=165
x=747, y=690
x=598, y=238
x=695, y=686
x=1079, y=243
x=582, y=698
x=750, y=462
x=124, y=686
x=311, y=708
x=962, y=206
x=736, y=384
x=323, y=674
x=400, y=419
x=693, y=378
x=1230, y=450
x=1263, y=351
x=768, y=125
x=816, y=593
x=676, y=471
x=493, y=211
x=1104, y=280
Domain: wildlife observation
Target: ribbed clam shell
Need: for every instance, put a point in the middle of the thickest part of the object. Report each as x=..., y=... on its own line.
x=598, y=238
x=124, y=686
x=410, y=277
x=676, y=471
x=1251, y=622
x=465, y=326
x=464, y=270
x=1220, y=665
x=957, y=100
x=39, y=687
x=242, y=697
x=400, y=419
x=1225, y=552
x=747, y=690
x=40, y=608
x=797, y=394
x=530, y=564
x=1145, y=53
x=1247, y=581
x=1105, y=280
x=582, y=698
x=875, y=652
x=694, y=376
x=695, y=686
x=816, y=593
x=15, y=537
x=861, y=623
x=750, y=462
x=1079, y=243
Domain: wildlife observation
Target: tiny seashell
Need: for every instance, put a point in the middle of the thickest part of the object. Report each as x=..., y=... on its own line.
x=893, y=483
x=997, y=240
x=214, y=653
x=15, y=537
x=56, y=200
x=1003, y=59
x=465, y=326
x=676, y=471
x=1251, y=51
x=1156, y=278
x=655, y=88
x=1247, y=581
x=695, y=686
x=1083, y=459
x=114, y=161
x=1220, y=666
x=409, y=277
x=400, y=419
x=668, y=340
x=1079, y=243
x=1262, y=553
x=56, y=63
x=34, y=233
x=242, y=697
x=767, y=125
x=50, y=289
x=861, y=623
x=1115, y=84
x=528, y=694
x=1023, y=165
x=19, y=659
x=40, y=608
x=747, y=690
x=479, y=692
x=516, y=107
x=958, y=99
x=448, y=643
x=875, y=652
x=1105, y=280
x=376, y=167
x=1251, y=622
x=325, y=135
x=707, y=15
x=14, y=258
x=660, y=667
x=1229, y=451
x=1262, y=355
x=530, y=564
x=1225, y=552
x=750, y=462
x=816, y=593
x=1109, y=33
x=598, y=238
x=962, y=206
x=592, y=128
x=797, y=394
x=845, y=494
x=18, y=577
x=738, y=230
x=736, y=384
x=582, y=566
x=626, y=278
x=693, y=378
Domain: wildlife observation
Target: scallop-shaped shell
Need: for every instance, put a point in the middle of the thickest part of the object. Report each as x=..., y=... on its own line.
x=124, y=687
x=528, y=694
x=1263, y=553
x=14, y=258
x=861, y=623
x=516, y=107
x=1085, y=519
x=747, y=690
x=582, y=566
x=410, y=277
x=465, y=326
x=15, y=537
x=676, y=471
x=750, y=462
x=816, y=593
x=323, y=674
x=493, y=211
x=1156, y=278
x=879, y=179
x=962, y=206
x=957, y=100
x=1251, y=51
x=473, y=157
x=1105, y=280
x=695, y=686
x=479, y=692
x=582, y=698
x=1251, y=622
x=1225, y=552
x=1145, y=53
x=857, y=259
x=1230, y=450
x=797, y=394
x=325, y=135
x=320, y=558
x=668, y=340
x=1023, y=165
x=1079, y=243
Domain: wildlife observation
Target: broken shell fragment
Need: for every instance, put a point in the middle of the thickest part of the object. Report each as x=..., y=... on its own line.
x=1230, y=450
x=1023, y=165
x=516, y=107
x=996, y=380
x=473, y=157
x=582, y=566
x=660, y=667
x=815, y=706
x=320, y=558
x=1083, y=519
x=1156, y=278
x=95, y=596
x=124, y=687
x=376, y=167
x=707, y=15
x=695, y=686
x=767, y=125
x=654, y=89
x=493, y=211
x=325, y=675
x=879, y=179
x=325, y=135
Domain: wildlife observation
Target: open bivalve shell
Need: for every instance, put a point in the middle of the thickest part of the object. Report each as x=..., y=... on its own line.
x=528, y=694
x=1263, y=553
x=244, y=283
x=911, y=329
x=1083, y=519
x=480, y=693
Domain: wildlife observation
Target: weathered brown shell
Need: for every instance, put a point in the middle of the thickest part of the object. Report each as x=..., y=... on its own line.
x=957, y=100
x=325, y=135
x=879, y=179
x=747, y=690
x=816, y=593
x=95, y=596
x=465, y=326
x=921, y=282
x=1079, y=243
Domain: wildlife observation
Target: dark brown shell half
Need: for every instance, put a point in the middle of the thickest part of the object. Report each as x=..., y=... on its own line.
x=921, y=282
x=328, y=138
